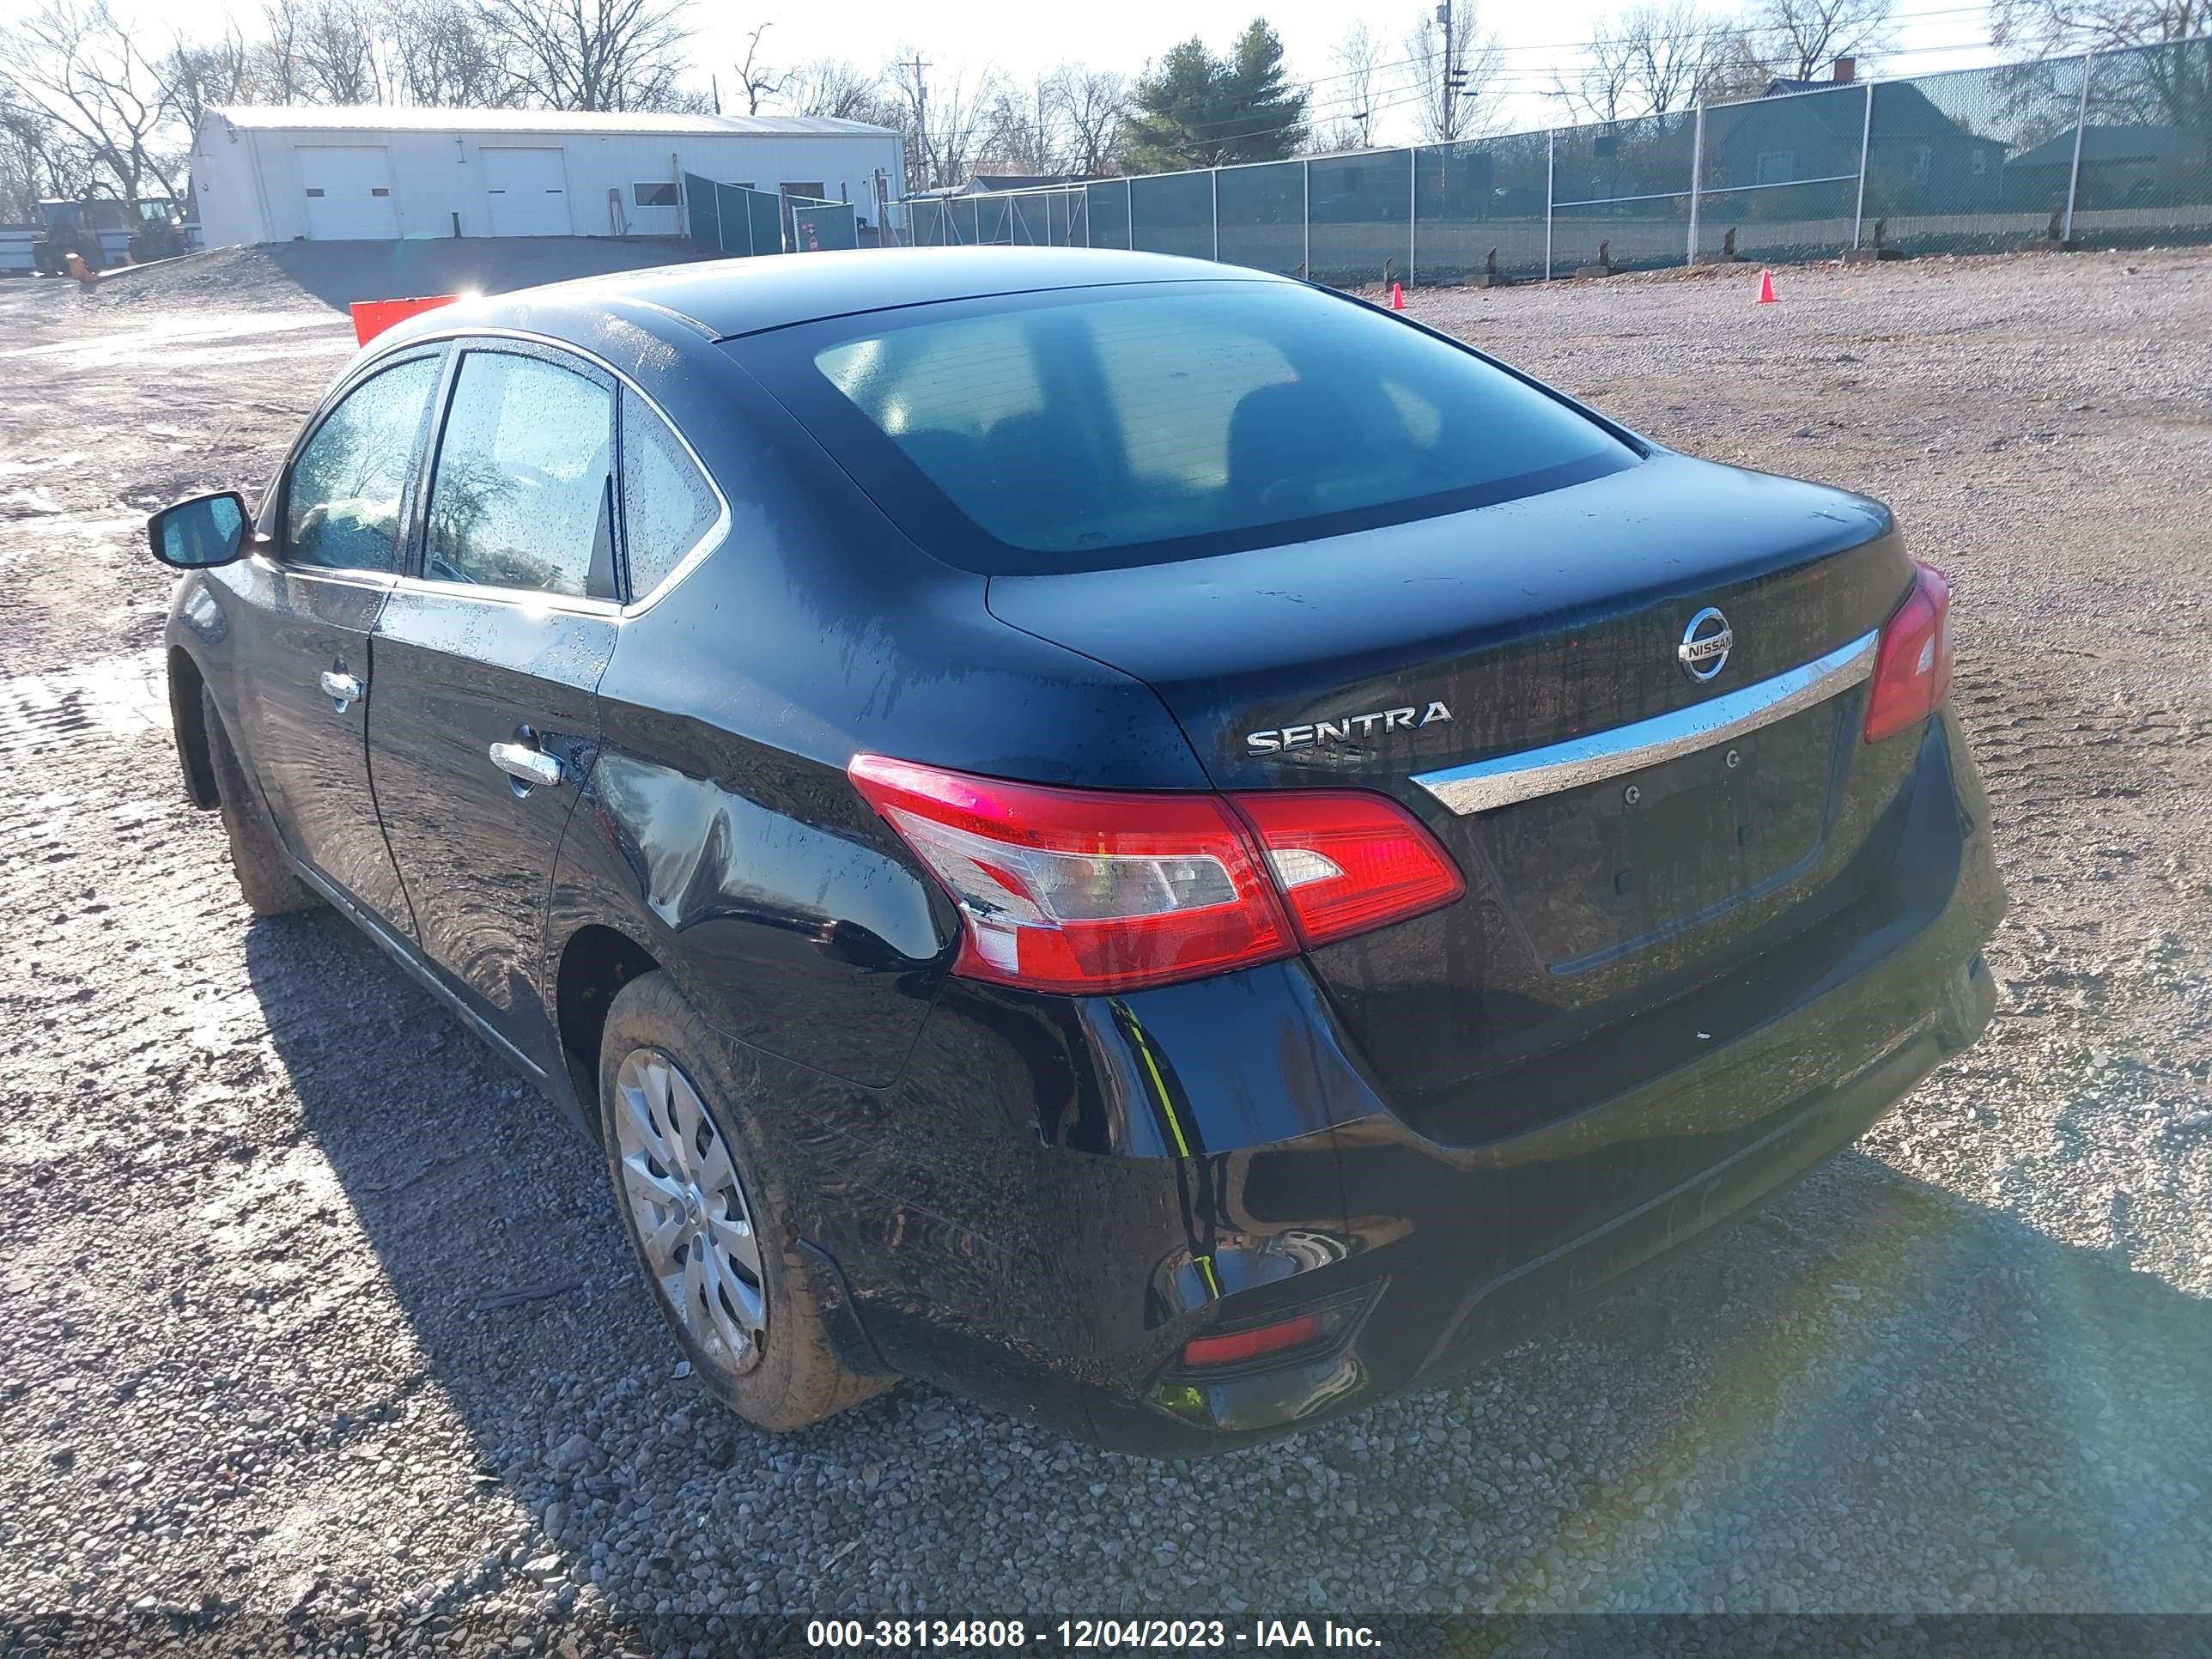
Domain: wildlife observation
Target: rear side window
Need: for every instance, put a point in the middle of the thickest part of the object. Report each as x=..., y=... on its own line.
x=521, y=496
x=342, y=499
x=668, y=506
x=1130, y=424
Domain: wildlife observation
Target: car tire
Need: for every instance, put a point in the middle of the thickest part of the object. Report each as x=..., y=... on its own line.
x=271, y=887
x=788, y=1375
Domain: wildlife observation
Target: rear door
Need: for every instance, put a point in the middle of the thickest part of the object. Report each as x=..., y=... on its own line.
x=338, y=524
x=349, y=193
x=487, y=663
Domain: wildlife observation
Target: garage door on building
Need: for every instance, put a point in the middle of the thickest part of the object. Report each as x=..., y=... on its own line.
x=528, y=191
x=349, y=193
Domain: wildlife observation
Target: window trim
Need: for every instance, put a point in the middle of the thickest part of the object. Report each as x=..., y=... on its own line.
x=411, y=579
x=272, y=524
x=457, y=342
x=707, y=539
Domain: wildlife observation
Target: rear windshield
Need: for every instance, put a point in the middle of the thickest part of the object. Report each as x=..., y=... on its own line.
x=1135, y=424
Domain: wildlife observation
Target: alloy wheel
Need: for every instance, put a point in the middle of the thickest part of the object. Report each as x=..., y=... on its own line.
x=689, y=1210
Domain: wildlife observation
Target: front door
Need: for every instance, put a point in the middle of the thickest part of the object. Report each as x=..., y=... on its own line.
x=307, y=680
x=488, y=668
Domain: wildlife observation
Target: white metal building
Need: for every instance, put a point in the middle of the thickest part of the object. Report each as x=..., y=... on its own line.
x=280, y=175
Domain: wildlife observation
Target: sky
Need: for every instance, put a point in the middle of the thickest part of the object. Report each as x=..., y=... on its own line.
x=1024, y=41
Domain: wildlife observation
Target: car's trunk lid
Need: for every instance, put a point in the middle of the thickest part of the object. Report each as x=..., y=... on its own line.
x=1385, y=657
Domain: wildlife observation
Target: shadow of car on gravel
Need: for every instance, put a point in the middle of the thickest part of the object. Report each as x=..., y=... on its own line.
x=1872, y=1396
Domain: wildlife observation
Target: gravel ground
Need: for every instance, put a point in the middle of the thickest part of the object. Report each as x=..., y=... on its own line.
x=316, y=1332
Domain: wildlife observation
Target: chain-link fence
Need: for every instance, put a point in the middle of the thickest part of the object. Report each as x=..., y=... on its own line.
x=737, y=221
x=2114, y=149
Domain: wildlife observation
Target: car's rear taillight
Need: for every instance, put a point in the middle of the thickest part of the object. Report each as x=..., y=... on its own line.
x=1093, y=891
x=1348, y=861
x=1912, y=672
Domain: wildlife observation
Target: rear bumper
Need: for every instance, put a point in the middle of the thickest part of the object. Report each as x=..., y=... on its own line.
x=1061, y=1193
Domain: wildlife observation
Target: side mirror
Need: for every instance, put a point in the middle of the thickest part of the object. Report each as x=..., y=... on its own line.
x=200, y=533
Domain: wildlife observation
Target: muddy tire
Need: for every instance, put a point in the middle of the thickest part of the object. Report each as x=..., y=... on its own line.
x=706, y=1207
x=265, y=876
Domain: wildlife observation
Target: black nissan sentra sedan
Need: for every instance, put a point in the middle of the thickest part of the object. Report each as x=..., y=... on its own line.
x=1157, y=845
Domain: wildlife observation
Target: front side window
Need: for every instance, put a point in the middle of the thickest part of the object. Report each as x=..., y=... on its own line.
x=1134, y=424
x=521, y=496
x=668, y=506
x=342, y=502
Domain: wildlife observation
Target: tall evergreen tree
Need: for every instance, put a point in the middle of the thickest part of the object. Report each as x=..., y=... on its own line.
x=1195, y=110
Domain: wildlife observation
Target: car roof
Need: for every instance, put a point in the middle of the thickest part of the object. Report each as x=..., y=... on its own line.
x=725, y=297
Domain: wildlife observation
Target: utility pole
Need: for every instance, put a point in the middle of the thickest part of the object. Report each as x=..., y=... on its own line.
x=1447, y=115
x=920, y=119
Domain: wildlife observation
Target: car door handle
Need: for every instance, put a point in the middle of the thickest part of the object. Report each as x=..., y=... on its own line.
x=344, y=688
x=529, y=767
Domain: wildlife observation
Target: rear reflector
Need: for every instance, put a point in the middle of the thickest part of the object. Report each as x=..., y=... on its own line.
x=1912, y=673
x=1239, y=1345
x=1092, y=890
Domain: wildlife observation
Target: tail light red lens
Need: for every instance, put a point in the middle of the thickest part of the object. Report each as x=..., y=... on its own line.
x=1347, y=861
x=1912, y=673
x=1087, y=890
x=1092, y=890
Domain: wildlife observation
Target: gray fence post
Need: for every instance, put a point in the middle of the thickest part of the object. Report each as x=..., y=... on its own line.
x=1697, y=172
x=2080, y=119
x=1306, y=185
x=1412, y=208
x=1866, y=142
x=1215, y=176
x=1551, y=152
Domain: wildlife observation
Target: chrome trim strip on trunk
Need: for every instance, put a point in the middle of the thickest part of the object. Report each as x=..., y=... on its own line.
x=1483, y=786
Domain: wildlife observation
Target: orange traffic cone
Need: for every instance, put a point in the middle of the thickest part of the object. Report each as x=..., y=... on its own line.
x=1397, y=296
x=1765, y=287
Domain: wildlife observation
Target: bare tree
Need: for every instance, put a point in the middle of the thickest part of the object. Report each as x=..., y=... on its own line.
x=1019, y=133
x=1453, y=90
x=758, y=80
x=200, y=74
x=2144, y=79
x=834, y=87
x=1671, y=47
x=1358, y=60
x=1089, y=105
x=591, y=54
x=37, y=159
x=1734, y=67
x=75, y=66
x=341, y=53
x=1806, y=36
x=942, y=117
x=2048, y=26
x=444, y=57
x=1602, y=87
x=277, y=68
x=1657, y=59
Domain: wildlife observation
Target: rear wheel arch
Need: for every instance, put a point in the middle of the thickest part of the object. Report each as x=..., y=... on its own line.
x=596, y=962
x=187, y=717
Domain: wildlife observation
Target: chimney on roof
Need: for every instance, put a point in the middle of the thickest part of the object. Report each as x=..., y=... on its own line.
x=1847, y=70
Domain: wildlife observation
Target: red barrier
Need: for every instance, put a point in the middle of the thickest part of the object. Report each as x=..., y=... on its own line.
x=372, y=317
